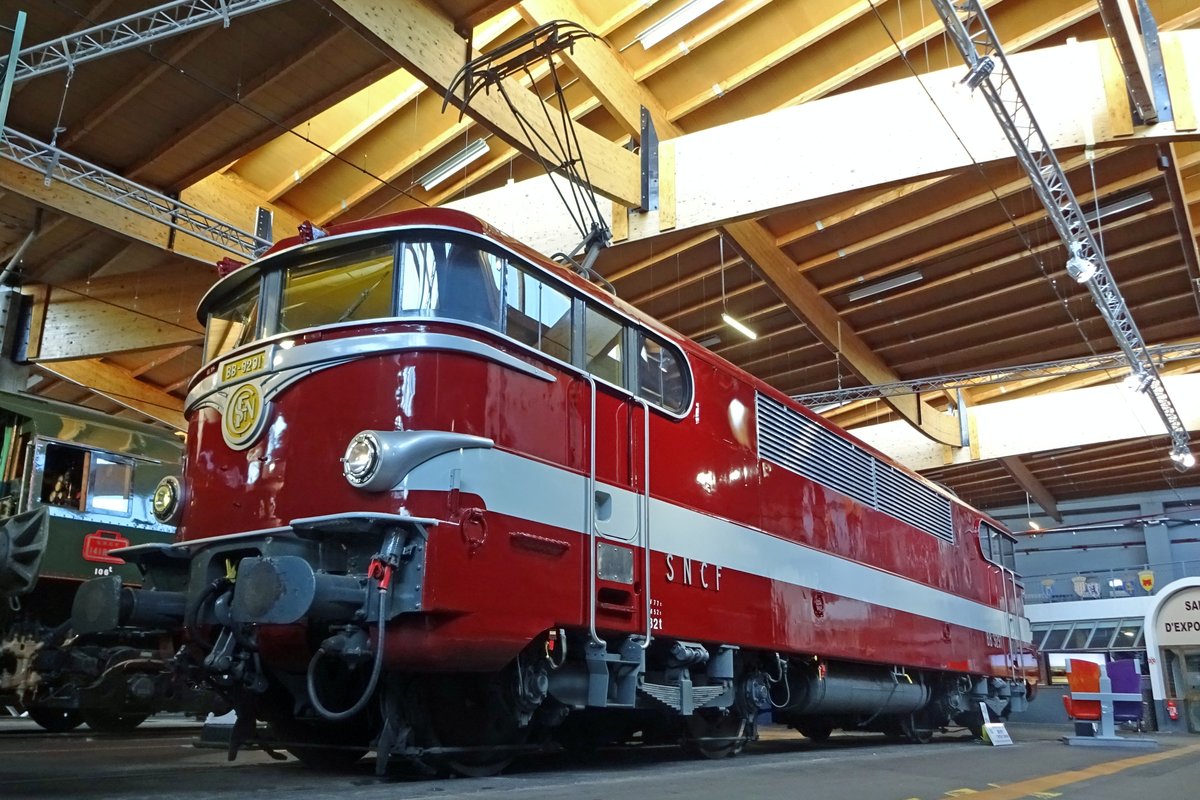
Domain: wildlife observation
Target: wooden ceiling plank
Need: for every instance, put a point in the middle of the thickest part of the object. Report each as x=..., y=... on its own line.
x=133, y=88
x=667, y=55
x=330, y=133
x=945, y=306
x=159, y=360
x=938, y=216
x=827, y=27
x=1032, y=486
x=421, y=38
x=978, y=238
x=116, y=384
x=711, y=165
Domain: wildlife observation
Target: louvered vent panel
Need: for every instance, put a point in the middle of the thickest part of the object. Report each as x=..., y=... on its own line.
x=796, y=442
x=788, y=438
x=909, y=501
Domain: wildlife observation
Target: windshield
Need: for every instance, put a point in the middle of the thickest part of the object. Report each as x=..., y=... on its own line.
x=344, y=288
x=233, y=324
x=451, y=278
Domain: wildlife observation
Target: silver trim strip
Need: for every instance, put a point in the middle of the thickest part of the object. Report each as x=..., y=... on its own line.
x=503, y=479
x=289, y=365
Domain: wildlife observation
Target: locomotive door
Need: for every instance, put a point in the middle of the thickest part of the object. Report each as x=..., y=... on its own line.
x=618, y=483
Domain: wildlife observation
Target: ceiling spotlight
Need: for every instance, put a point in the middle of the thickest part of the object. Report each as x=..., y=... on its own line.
x=1183, y=458
x=1137, y=381
x=1081, y=269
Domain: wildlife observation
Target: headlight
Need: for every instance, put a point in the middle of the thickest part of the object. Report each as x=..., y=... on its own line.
x=166, y=502
x=361, y=461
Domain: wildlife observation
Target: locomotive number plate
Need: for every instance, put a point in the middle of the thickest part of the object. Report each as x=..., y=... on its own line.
x=244, y=366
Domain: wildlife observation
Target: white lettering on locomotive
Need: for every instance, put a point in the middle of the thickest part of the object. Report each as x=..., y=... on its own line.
x=708, y=575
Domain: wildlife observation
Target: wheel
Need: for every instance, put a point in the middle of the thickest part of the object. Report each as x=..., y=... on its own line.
x=56, y=720
x=105, y=721
x=468, y=711
x=713, y=734
x=915, y=731
x=817, y=731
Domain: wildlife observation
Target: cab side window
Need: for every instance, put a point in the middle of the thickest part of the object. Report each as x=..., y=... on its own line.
x=659, y=374
x=537, y=314
x=603, y=346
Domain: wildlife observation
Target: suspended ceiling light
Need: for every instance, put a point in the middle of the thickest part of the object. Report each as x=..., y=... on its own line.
x=738, y=326
x=1079, y=268
x=1183, y=458
x=709, y=341
x=674, y=21
x=729, y=320
x=1137, y=381
x=1120, y=206
x=454, y=163
x=894, y=282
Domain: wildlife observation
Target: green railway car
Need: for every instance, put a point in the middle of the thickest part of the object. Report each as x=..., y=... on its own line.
x=74, y=485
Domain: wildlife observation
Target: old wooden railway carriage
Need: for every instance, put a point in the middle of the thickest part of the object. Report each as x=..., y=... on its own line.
x=443, y=497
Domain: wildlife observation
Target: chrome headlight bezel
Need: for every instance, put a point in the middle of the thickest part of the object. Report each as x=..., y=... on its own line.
x=166, y=504
x=361, y=459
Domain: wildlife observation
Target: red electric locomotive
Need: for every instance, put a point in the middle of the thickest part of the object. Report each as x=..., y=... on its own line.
x=445, y=498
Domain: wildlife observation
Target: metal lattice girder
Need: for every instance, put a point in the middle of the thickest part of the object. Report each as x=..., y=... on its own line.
x=973, y=35
x=135, y=30
x=59, y=165
x=964, y=380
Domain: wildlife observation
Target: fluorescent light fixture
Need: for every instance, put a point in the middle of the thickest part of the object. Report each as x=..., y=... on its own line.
x=709, y=341
x=1034, y=526
x=1125, y=204
x=894, y=282
x=739, y=327
x=454, y=163
x=674, y=21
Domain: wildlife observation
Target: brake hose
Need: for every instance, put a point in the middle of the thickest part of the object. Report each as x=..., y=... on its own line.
x=376, y=669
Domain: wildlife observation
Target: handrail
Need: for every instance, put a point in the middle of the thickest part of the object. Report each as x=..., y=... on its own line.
x=644, y=516
x=590, y=507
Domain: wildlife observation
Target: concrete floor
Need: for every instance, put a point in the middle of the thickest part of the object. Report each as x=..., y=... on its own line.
x=160, y=761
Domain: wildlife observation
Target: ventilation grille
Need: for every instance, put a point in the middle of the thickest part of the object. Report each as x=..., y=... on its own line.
x=788, y=438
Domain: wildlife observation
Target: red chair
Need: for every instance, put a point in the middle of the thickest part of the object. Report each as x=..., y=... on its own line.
x=1082, y=676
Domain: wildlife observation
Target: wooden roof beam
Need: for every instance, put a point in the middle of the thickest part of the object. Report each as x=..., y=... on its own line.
x=421, y=38
x=788, y=151
x=1021, y=427
x=287, y=159
x=1032, y=486
x=116, y=384
x=123, y=313
x=1119, y=21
